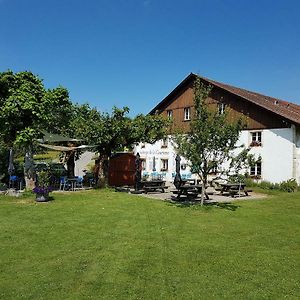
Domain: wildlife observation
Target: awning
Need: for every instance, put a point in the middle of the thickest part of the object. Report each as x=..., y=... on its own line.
x=54, y=138
x=65, y=148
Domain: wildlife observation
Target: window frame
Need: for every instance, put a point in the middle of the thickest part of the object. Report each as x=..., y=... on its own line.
x=255, y=138
x=187, y=113
x=164, y=143
x=221, y=108
x=170, y=114
x=256, y=170
x=143, y=163
x=163, y=161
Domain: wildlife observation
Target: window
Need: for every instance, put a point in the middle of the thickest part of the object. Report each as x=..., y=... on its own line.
x=143, y=164
x=187, y=113
x=164, y=143
x=255, y=138
x=164, y=165
x=255, y=171
x=221, y=108
x=170, y=114
x=183, y=167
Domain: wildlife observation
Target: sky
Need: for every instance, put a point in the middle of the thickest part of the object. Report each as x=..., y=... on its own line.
x=134, y=52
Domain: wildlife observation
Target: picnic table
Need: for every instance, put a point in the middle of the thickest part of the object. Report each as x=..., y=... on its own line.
x=153, y=185
x=233, y=188
x=190, y=191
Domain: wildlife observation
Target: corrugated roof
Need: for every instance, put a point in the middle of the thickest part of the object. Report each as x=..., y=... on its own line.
x=288, y=110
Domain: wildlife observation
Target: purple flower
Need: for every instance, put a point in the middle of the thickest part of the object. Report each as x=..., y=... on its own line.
x=42, y=190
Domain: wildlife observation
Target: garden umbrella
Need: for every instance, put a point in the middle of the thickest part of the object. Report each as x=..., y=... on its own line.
x=177, y=179
x=11, y=167
x=138, y=172
x=153, y=167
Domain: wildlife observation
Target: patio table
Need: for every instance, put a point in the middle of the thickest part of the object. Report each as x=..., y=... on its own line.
x=72, y=182
x=190, y=190
x=153, y=185
x=233, y=188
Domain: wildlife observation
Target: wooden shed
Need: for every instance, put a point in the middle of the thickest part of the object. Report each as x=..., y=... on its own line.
x=121, y=170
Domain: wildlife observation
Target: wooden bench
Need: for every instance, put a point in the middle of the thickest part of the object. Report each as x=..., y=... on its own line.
x=154, y=185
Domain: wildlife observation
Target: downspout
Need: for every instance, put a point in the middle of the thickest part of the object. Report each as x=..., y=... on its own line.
x=295, y=154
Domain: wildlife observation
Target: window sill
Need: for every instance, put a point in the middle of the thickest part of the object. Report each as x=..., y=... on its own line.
x=255, y=144
x=255, y=176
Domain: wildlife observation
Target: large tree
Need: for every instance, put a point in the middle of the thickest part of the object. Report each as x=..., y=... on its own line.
x=212, y=140
x=114, y=131
x=27, y=107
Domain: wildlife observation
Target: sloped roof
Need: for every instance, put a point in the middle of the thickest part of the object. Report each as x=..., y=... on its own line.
x=285, y=109
x=55, y=138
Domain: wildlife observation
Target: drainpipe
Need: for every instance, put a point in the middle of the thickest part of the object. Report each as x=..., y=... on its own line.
x=295, y=156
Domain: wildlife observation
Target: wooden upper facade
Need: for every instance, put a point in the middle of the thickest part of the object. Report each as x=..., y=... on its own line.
x=259, y=111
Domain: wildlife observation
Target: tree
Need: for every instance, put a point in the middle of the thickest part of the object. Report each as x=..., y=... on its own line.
x=212, y=138
x=26, y=109
x=111, y=132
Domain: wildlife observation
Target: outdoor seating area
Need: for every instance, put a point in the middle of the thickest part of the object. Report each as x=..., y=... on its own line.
x=182, y=189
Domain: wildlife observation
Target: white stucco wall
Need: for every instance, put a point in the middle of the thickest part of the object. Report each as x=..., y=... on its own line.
x=280, y=155
x=276, y=153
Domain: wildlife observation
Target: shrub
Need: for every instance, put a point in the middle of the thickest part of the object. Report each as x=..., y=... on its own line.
x=285, y=186
x=3, y=186
x=266, y=185
x=289, y=186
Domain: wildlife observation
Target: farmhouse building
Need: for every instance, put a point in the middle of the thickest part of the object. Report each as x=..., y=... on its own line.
x=272, y=130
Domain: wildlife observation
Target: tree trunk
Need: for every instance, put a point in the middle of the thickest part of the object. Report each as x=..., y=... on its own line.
x=102, y=180
x=71, y=164
x=29, y=173
x=202, y=193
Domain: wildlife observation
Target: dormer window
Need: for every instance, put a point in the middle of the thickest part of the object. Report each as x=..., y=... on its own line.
x=187, y=114
x=170, y=114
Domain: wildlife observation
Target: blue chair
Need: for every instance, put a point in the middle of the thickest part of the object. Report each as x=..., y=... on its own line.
x=63, y=183
x=79, y=182
x=13, y=181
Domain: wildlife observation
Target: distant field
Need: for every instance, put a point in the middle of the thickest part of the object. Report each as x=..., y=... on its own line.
x=107, y=245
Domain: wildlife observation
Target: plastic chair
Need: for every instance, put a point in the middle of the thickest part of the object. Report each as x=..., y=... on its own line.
x=79, y=182
x=63, y=183
x=13, y=181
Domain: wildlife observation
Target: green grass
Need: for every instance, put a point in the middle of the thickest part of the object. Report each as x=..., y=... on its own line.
x=107, y=245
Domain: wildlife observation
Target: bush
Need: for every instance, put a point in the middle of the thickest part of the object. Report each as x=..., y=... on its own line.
x=3, y=186
x=266, y=185
x=289, y=186
x=285, y=186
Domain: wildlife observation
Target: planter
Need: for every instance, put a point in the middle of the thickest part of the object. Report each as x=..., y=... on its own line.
x=44, y=197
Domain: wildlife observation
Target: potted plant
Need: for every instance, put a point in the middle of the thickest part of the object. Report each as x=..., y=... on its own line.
x=42, y=188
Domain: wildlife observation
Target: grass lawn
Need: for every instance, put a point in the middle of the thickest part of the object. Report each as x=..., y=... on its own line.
x=107, y=245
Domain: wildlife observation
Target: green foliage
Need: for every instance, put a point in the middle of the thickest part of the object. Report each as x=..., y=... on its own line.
x=113, y=131
x=289, y=185
x=27, y=107
x=212, y=137
x=3, y=186
x=43, y=179
x=3, y=160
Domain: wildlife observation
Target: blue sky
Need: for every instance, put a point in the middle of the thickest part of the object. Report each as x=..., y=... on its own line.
x=134, y=52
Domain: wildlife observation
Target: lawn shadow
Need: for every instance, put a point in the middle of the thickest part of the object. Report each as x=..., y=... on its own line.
x=188, y=203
